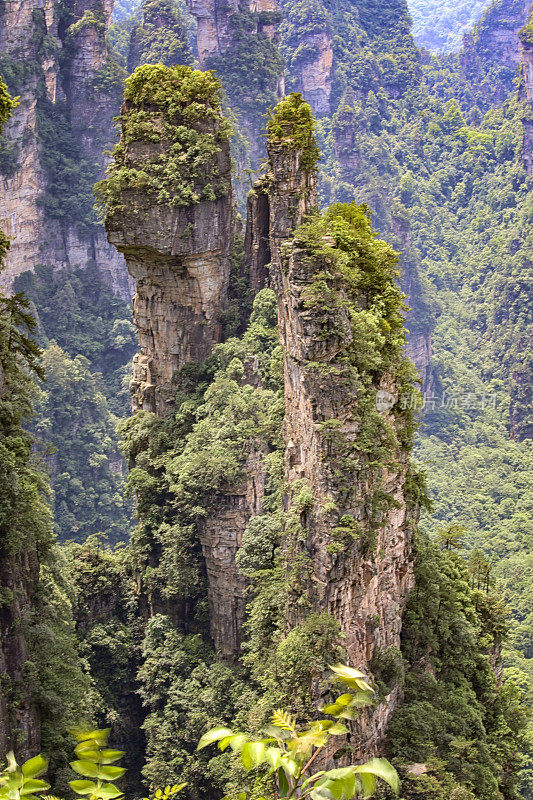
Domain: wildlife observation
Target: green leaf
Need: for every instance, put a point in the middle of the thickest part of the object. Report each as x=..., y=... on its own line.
x=88, y=755
x=34, y=785
x=312, y=779
x=223, y=743
x=110, y=773
x=344, y=699
x=381, y=768
x=108, y=791
x=110, y=756
x=214, y=735
x=352, y=677
x=368, y=784
x=11, y=761
x=334, y=709
x=84, y=734
x=252, y=754
x=339, y=784
x=34, y=767
x=85, y=768
x=82, y=787
x=289, y=765
x=273, y=757
x=237, y=742
x=283, y=783
x=282, y=719
x=338, y=729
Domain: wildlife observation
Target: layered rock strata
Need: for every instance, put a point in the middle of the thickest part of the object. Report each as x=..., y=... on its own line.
x=178, y=252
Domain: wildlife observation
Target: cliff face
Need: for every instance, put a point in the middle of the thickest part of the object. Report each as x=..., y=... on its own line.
x=214, y=18
x=69, y=94
x=178, y=250
x=220, y=537
x=240, y=42
x=313, y=74
x=494, y=48
x=19, y=717
x=526, y=39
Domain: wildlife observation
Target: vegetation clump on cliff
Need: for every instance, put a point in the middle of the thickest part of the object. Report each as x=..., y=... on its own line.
x=292, y=124
x=172, y=131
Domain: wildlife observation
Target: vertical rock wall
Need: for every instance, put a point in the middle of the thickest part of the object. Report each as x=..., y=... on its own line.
x=177, y=252
x=19, y=575
x=220, y=537
x=526, y=38
x=494, y=48
x=67, y=66
x=364, y=589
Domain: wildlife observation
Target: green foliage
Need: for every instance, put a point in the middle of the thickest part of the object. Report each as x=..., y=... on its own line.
x=109, y=632
x=8, y=150
x=95, y=761
x=458, y=205
x=78, y=431
x=185, y=167
x=291, y=124
x=88, y=20
x=185, y=690
x=75, y=420
x=61, y=689
x=200, y=450
x=24, y=513
x=354, y=282
x=94, y=323
x=342, y=239
x=109, y=78
x=69, y=175
x=17, y=782
x=49, y=681
x=7, y=104
x=455, y=716
x=439, y=26
x=372, y=47
x=289, y=751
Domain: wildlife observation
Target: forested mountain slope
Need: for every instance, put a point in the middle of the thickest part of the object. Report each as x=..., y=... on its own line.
x=252, y=553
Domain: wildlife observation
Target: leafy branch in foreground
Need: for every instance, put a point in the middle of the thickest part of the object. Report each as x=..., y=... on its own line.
x=95, y=763
x=288, y=750
x=23, y=782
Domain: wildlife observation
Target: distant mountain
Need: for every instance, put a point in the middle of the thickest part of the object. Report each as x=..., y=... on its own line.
x=440, y=26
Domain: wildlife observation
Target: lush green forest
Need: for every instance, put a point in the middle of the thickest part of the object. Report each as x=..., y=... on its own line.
x=415, y=142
